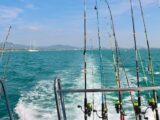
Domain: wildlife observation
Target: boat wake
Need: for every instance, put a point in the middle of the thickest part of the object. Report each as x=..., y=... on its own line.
x=39, y=104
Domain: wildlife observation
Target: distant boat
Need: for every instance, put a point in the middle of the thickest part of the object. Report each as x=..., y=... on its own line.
x=32, y=48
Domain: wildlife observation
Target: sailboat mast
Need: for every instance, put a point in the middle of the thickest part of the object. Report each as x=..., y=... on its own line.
x=150, y=66
x=85, y=66
x=136, y=54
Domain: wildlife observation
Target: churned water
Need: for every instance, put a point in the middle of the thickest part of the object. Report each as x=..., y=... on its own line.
x=30, y=82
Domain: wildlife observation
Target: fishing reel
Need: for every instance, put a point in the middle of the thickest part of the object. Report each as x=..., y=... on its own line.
x=136, y=107
x=152, y=104
x=117, y=106
x=104, y=111
x=104, y=114
x=88, y=109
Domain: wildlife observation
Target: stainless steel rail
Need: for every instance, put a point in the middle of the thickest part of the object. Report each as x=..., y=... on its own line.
x=110, y=89
x=59, y=100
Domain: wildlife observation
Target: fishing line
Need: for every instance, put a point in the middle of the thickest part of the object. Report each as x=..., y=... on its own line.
x=93, y=102
x=143, y=71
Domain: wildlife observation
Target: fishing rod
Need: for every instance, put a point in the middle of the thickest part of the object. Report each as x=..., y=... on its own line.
x=118, y=103
x=125, y=72
x=3, y=48
x=150, y=66
x=6, y=39
x=87, y=106
x=7, y=63
x=2, y=82
x=138, y=104
x=104, y=104
x=85, y=66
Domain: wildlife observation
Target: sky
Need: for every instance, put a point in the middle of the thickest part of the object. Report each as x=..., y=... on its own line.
x=51, y=22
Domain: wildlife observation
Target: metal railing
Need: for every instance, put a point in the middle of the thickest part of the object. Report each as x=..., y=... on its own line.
x=60, y=105
x=59, y=100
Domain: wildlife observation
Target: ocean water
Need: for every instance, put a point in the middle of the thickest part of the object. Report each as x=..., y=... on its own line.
x=30, y=81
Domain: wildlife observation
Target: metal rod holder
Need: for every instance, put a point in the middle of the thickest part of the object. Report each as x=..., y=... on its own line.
x=59, y=100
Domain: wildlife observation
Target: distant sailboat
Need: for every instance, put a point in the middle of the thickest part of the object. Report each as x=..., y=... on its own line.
x=32, y=48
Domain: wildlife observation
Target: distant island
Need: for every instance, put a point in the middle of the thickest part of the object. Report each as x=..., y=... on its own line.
x=19, y=47
x=12, y=46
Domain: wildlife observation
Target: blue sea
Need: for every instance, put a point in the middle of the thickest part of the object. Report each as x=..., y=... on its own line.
x=30, y=82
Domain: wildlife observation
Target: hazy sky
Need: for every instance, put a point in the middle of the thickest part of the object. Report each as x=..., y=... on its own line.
x=48, y=22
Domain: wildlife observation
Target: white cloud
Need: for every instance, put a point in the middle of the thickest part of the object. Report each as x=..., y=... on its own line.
x=120, y=8
x=30, y=27
x=149, y=2
x=124, y=6
x=33, y=28
x=9, y=13
x=30, y=6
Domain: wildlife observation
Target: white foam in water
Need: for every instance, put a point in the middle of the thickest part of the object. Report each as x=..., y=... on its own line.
x=39, y=104
x=97, y=96
x=156, y=73
x=25, y=112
